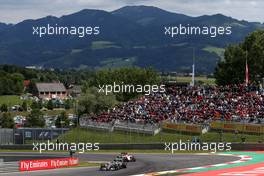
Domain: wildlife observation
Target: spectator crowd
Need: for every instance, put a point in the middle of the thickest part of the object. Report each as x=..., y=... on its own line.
x=198, y=104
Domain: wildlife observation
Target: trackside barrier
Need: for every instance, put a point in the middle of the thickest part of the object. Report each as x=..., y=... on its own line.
x=32, y=165
x=238, y=127
x=180, y=127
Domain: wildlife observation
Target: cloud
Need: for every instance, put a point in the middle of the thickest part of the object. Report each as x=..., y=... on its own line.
x=14, y=11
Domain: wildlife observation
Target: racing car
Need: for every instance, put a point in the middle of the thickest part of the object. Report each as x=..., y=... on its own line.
x=117, y=164
x=110, y=166
x=127, y=157
x=121, y=162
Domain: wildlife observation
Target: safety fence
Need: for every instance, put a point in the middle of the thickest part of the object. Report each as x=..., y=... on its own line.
x=6, y=136
x=151, y=129
x=87, y=123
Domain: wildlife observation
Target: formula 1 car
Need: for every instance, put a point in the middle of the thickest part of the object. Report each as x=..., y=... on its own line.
x=127, y=157
x=114, y=165
x=121, y=162
x=110, y=166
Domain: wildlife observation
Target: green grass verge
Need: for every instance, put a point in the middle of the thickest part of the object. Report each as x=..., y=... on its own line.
x=85, y=135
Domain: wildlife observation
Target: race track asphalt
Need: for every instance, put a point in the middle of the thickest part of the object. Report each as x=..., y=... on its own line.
x=145, y=163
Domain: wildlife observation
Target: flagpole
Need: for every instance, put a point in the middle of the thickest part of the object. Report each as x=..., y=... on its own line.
x=247, y=72
x=193, y=68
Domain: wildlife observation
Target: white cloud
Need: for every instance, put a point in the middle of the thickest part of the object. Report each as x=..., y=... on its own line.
x=15, y=11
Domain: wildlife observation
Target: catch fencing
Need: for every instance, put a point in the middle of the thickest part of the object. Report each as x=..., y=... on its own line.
x=151, y=129
x=88, y=123
x=6, y=136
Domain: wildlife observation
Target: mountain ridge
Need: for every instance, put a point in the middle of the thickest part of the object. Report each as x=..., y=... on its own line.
x=132, y=35
x=138, y=13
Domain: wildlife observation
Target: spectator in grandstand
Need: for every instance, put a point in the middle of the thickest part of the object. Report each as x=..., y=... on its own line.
x=200, y=104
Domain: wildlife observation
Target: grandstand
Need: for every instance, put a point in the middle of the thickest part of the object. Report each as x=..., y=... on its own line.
x=197, y=105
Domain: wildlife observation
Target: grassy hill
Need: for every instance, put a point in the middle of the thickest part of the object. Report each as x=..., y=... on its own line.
x=129, y=32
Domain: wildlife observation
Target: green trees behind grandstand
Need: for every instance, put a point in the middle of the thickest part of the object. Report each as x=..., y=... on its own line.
x=94, y=102
x=231, y=70
x=124, y=76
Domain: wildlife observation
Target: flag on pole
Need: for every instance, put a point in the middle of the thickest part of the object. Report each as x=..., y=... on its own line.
x=193, y=68
x=247, y=73
x=193, y=74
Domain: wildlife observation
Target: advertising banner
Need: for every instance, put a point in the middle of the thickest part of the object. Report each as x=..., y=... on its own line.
x=239, y=127
x=32, y=165
x=183, y=127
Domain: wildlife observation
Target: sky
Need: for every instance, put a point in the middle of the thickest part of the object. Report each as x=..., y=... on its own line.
x=14, y=11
